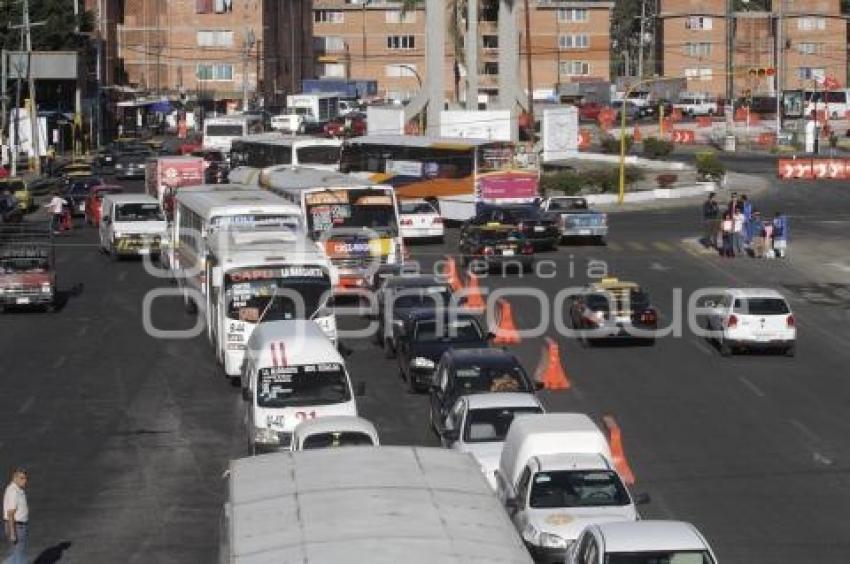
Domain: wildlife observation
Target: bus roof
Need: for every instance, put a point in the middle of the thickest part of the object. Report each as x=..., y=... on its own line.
x=207, y=204
x=277, y=138
x=458, y=143
x=286, y=178
x=259, y=246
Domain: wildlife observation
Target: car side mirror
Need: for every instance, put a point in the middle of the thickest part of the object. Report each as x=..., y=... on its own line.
x=512, y=505
x=360, y=389
x=641, y=498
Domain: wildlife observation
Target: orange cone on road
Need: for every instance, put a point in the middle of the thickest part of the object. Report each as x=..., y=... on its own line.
x=615, y=441
x=549, y=371
x=474, y=300
x=452, y=274
x=636, y=135
x=506, y=331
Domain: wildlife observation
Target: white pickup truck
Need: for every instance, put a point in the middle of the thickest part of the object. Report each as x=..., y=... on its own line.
x=575, y=218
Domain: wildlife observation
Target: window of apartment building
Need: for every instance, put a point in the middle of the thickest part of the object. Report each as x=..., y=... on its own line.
x=400, y=70
x=575, y=68
x=333, y=70
x=208, y=71
x=215, y=38
x=700, y=49
x=808, y=48
x=490, y=41
x=396, y=17
x=401, y=42
x=698, y=74
x=213, y=6
x=573, y=41
x=329, y=44
x=810, y=73
x=699, y=22
x=328, y=16
x=811, y=23
x=572, y=15
x=490, y=68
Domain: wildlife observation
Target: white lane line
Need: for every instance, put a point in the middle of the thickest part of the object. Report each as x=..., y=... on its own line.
x=804, y=429
x=753, y=388
x=59, y=362
x=813, y=439
x=703, y=347
x=26, y=406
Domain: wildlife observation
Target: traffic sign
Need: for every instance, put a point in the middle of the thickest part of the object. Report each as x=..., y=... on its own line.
x=788, y=169
x=820, y=168
x=683, y=136
x=837, y=169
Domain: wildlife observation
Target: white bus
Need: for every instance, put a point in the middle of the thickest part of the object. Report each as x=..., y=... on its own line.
x=354, y=221
x=205, y=209
x=219, y=132
x=259, y=275
x=253, y=153
x=834, y=103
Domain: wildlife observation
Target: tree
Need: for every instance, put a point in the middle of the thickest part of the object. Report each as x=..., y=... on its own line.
x=58, y=31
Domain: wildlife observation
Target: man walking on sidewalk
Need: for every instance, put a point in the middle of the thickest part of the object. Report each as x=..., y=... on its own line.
x=711, y=221
x=16, y=517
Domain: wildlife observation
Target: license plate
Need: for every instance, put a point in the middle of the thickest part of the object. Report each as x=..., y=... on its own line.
x=507, y=252
x=82, y=207
x=22, y=301
x=539, y=229
x=584, y=231
x=144, y=251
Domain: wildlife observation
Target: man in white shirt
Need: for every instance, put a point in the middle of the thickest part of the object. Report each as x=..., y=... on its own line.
x=16, y=517
x=55, y=209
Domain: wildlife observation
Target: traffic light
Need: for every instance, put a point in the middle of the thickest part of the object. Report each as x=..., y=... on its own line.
x=761, y=72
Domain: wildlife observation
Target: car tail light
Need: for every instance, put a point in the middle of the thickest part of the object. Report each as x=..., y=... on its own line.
x=528, y=249
x=648, y=317
x=790, y=321
x=488, y=251
x=406, y=222
x=732, y=321
x=437, y=221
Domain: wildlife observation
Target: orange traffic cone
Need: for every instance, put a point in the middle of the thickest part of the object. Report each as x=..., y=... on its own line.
x=506, y=331
x=474, y=300
x=452, y=275
x=617, y=453
x=549, y=371
x=636, y=135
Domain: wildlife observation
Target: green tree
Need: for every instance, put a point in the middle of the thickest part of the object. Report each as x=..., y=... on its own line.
x=58, y=31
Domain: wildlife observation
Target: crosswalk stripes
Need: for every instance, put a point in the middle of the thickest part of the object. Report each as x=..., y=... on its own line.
x=614, y=246
x=663, y=246
x=637, y=246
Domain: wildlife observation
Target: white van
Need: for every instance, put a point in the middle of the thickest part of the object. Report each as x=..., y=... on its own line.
x=752, y=318
x=556, y=475
x=132, y=224
x=334, y=431
x=293, y=373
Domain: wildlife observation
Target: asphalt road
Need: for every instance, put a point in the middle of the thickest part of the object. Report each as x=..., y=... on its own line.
x=126, y=436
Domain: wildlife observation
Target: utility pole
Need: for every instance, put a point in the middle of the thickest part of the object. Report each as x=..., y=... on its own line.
x=247, y=46
x=780, y=79
x=640, y=39
x=528, y=71
x=729, y=53
x=27, y=30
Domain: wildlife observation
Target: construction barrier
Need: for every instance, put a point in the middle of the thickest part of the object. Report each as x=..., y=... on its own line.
x=615, y=441
x=683, y=136
x=452, y=274
x=549, y=370
x=820, y=168
x=474, y=299
x=703, y=121
x=637, y=135
x=584, y=138
x=506, y=332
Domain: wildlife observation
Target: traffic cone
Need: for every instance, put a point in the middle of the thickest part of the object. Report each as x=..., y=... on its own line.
x=506, y=331
x=636, y=135
x=452, y=275
x=615, y=441
x=474, y=300
x=549, y=371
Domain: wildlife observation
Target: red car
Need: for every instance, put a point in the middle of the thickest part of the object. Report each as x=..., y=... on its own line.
x=351, y=125
x=93, y=202
x=589, y=111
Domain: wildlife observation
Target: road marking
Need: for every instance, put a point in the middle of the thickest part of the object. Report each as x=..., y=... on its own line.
x=814, y=440
x=59, y=362
x=657, y=266
x=753, y=388
x=703, y=347
x=804, y=429
x=26, y=406
x=663, y=247
x=614, y=246
x=634, y=245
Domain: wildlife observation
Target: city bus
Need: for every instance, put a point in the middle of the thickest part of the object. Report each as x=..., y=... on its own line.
x=209, y=208
x=263, y=274
x=354, y=221
x=454, y=173
x=251, y=154
x=219, y=132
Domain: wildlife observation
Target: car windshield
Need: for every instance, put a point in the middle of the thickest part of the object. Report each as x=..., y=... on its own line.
x=290, y=386
x=416, y=208
x=16, y=261
x=254, y=220
x=761, y=306
x=337, y=439
x=491, y=425
x=432, y=296
x=660, y=557
x=433, y=331
x=293, y=292
x=139, y=212
x=506, y=376
x=577, y=488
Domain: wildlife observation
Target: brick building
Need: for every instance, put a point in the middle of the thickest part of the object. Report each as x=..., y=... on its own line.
x=570, y=41
x=287, y=48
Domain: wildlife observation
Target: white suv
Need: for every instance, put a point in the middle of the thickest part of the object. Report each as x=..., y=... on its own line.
x=752, y=318
x=696, y=106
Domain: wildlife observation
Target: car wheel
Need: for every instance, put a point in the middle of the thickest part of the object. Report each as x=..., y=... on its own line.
x=791, y=351
x=389, y=349
x=725, y=348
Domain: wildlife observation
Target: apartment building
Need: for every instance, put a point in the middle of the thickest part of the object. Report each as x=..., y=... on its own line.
x=371, y=39
x=209, y=48
x=692, y=43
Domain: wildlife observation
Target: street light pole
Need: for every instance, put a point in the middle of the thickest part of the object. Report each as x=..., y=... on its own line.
x=780, y=79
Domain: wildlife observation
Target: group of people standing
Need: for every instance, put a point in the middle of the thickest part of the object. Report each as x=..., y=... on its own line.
x=740, y=229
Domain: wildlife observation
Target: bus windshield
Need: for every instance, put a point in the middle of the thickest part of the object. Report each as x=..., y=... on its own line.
x=291, y=386
x=351, y=209
x=253, y=220
x=276, y=294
